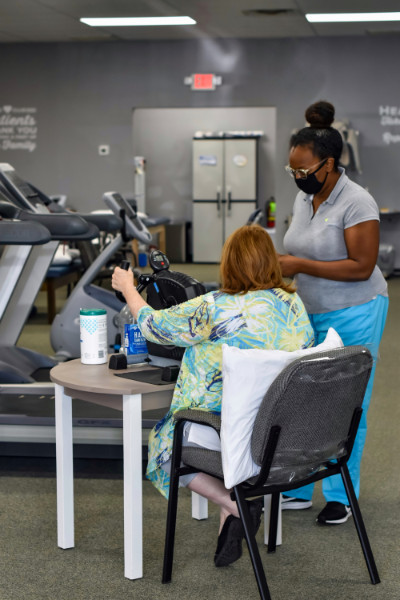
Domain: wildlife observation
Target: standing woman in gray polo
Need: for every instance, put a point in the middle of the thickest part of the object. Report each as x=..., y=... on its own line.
x=332, y=245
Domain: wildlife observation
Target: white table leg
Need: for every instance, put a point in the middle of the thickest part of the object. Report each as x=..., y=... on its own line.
x=65, y=474
x=199, y=507
x=133, y=516
x=267, y=514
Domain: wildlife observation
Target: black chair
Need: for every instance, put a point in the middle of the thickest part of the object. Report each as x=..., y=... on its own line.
x=304, y=431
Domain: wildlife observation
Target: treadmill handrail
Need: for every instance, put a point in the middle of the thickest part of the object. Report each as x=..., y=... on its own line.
x=21, y=233
x=109, y=223
x=63, y=227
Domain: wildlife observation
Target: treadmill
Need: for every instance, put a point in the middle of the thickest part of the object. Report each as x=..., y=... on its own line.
x=23, y=268
x=27, y=405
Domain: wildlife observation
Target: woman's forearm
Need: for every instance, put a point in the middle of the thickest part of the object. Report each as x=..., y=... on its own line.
x=362, y=243
x=338, y=270
x=134, y=300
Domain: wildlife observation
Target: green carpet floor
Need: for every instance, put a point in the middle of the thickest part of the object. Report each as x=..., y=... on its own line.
x=314, y=563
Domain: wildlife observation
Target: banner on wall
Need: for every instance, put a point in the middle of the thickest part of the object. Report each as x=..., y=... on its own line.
x=390, y=117
x=18, y=128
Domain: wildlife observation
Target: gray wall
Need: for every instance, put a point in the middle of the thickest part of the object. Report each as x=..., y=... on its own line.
x=164, y=137
x=84, y=95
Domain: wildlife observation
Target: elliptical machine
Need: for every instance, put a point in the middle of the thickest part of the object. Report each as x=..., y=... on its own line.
x=64, y=334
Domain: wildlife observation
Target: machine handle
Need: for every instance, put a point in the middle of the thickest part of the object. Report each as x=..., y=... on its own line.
x=62, y=226
x=255, y=217
x=124, y=265
x=104, y=222
x=21, y=232
x=158, y=262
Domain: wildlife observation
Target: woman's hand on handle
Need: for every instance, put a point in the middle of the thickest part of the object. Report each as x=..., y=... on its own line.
x=122, y=281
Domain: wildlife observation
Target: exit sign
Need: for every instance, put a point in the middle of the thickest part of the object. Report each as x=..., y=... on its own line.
x=203, y=81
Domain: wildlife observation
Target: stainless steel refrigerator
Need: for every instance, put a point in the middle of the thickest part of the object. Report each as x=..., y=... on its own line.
x=224, y=191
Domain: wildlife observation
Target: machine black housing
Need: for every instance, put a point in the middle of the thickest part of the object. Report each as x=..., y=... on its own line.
x=169, y=288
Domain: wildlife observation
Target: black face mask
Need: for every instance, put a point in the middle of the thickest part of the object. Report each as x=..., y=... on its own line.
x=311, y=185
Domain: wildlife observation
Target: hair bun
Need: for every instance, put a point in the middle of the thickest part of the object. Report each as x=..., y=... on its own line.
x=320, y=115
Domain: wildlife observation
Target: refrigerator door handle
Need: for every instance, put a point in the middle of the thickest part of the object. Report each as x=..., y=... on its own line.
x=219, y=201
x=229, y=199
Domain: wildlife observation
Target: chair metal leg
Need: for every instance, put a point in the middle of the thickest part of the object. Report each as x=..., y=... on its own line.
x=252, y=545
x=273, y=522
x=172, y=504
x=170, y=531
x=359, y=523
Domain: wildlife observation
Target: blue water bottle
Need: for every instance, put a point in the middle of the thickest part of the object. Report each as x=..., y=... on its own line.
x=135, y=345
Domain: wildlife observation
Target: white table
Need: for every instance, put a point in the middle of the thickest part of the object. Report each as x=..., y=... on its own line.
x=99, y=385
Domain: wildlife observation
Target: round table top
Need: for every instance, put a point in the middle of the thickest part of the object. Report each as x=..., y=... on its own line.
x=100, y=379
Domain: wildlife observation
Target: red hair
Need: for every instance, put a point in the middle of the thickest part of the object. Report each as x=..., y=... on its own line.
x=249, y=262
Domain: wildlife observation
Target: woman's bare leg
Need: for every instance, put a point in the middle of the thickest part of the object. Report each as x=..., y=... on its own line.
x=213, y=489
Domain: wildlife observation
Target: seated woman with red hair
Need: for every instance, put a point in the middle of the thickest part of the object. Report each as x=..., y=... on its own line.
x=254, y=308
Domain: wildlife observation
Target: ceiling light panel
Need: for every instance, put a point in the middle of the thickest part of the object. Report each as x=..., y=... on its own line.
x=353, y=17
x=136, y=21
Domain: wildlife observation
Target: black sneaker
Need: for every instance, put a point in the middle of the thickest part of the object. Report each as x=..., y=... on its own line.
x=334, y=513
x=290, y=503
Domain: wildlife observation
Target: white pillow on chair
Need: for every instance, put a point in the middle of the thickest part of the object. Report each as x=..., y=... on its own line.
x=247, y=375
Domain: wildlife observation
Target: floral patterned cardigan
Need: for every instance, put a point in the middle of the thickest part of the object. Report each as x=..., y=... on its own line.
x=269, y=319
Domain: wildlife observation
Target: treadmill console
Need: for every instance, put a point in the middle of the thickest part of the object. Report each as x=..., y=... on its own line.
x=26, y=196
x=134, y=225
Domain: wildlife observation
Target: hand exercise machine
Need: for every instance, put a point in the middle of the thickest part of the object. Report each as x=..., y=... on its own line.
x=164, y=289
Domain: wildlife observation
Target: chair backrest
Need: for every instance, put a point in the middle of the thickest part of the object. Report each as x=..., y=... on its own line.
x=313, y=401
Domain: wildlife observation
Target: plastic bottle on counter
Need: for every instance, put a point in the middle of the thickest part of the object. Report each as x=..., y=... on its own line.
x=125, y=317
x=133, y=344
x=93, y=335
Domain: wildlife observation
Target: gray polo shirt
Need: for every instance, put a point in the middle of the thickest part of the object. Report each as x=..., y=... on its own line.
x=321, y=237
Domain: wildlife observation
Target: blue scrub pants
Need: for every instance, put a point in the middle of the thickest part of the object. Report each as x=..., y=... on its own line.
x=362, y=325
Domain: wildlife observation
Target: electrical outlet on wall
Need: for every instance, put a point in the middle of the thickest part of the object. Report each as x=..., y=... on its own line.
x=104, y=150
